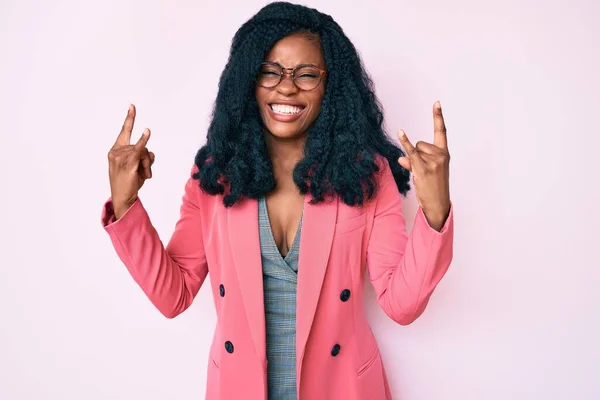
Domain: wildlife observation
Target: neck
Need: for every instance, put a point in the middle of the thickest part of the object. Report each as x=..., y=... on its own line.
x=285, y=154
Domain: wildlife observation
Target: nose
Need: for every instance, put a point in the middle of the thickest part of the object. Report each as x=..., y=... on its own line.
x=287, y=86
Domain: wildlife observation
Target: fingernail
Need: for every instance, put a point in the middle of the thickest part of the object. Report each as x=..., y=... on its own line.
x=438, y=104
x=402, y=133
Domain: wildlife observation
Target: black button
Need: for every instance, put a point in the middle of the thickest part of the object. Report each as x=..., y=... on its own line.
x=336, y=350
x=222, y=290
x=345, y=295
x=229, y=347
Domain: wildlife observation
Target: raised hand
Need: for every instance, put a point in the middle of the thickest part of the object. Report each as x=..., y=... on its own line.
x=430, y=167
x=128, y=165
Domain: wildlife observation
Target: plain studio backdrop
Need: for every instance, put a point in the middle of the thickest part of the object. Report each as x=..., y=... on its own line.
x=516, y=317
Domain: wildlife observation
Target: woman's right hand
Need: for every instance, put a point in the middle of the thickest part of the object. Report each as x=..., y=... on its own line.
x=128, y=166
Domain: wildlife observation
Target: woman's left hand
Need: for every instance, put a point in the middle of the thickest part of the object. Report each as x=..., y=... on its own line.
x=430, y=167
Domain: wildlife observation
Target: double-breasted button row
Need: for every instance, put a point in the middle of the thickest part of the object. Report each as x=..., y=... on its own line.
x=335, y=350
x=344, y=296
x=228, y=345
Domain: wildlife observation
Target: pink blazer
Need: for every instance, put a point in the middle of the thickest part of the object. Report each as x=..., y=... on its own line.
x=338, y=245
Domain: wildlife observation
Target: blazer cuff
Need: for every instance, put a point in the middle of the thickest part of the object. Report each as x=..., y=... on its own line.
x=109, y=221
x=422, y=224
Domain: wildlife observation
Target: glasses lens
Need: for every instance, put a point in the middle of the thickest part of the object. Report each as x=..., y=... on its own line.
x=269, y=75
x=307, y=78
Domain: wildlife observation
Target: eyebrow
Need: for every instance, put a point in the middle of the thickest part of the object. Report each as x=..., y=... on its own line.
x=298, y=65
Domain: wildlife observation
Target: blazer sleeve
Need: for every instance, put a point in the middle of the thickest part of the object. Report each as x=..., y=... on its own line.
x=170, y=276
x=405, y=270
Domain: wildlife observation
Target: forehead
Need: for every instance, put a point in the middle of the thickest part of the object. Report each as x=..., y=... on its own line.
x=297, y=49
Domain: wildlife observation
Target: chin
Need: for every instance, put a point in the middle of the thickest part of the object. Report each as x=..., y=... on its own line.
x=284, y=132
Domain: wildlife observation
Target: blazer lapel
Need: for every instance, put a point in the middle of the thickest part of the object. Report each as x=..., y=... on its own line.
x=242, y=225
x=318, y=226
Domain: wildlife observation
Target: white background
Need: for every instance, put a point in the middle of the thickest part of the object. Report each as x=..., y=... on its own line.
x=517, y=316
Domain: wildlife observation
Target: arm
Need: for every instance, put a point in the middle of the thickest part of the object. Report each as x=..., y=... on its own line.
x=405, y=270
x=172, y=276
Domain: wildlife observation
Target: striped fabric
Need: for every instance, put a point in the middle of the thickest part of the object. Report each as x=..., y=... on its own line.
x=280, y=276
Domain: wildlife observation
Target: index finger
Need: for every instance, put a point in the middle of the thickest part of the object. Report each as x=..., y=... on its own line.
x=440, y=138
x=124, y=137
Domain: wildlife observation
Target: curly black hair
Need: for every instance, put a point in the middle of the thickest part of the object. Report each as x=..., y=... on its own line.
x=343, y=144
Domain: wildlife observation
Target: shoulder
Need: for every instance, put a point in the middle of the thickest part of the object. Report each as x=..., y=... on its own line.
x=384, y=167
x=192, y=186
x=386, y=192
x=384, y=178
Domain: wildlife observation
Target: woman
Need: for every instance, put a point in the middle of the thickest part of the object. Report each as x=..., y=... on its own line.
x=296, y=194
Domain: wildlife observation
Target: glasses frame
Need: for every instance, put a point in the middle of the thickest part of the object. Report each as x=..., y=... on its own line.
x=292, y=73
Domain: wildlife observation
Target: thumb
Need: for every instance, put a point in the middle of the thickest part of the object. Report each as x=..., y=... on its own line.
x=143, y=140
x=405, y=163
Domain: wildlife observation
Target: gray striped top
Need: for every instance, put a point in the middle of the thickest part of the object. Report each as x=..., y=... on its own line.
x=280, y=276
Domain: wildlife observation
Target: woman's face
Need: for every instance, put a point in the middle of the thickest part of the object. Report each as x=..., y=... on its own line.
x=287, y=111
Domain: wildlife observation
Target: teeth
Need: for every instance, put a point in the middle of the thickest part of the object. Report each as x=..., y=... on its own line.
x=285, y=109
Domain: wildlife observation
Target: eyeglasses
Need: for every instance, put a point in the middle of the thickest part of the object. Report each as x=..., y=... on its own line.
x=306, y=76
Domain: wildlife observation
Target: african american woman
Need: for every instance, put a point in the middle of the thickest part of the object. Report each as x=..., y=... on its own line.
x=296, y=197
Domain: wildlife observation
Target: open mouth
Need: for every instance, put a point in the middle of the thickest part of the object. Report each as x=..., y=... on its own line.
x=286, y=109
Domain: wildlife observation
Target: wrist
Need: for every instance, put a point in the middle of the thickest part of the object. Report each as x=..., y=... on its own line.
x=120, y=207
x=436, y=217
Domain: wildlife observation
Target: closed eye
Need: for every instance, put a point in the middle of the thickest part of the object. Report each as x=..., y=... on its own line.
x=308, y=76
x=268, y=73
